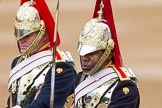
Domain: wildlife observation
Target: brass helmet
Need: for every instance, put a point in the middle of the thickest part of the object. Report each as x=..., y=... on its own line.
x=32, y=16
x=96, y=35
x=27, y=20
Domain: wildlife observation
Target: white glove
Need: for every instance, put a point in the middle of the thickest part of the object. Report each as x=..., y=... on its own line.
x=17, y=106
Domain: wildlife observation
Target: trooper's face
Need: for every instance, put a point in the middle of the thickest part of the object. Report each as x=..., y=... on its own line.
x=88, y=61
x=25, y=42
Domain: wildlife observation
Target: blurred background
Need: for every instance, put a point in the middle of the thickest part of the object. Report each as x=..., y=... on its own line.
x=139, y=29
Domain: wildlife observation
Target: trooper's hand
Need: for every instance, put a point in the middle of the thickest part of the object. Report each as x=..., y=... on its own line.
x=17, y=106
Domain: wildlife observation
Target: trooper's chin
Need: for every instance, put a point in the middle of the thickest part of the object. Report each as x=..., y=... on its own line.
x=22, y=51
x=86, y=71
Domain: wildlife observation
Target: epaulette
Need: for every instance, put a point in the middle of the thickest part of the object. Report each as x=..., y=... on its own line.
x=67, y=56
x=59, y=56
x=121, y=71
x=63, y=56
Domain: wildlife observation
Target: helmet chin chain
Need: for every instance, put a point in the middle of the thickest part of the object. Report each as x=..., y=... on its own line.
x=103, y=58
x=34, y=44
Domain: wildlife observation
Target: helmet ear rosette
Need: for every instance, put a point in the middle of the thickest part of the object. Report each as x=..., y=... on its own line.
x=94, y=36
x=27, y=20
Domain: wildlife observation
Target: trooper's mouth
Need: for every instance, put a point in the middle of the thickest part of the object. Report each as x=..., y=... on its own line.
x=85, y=68
x=23, y=47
